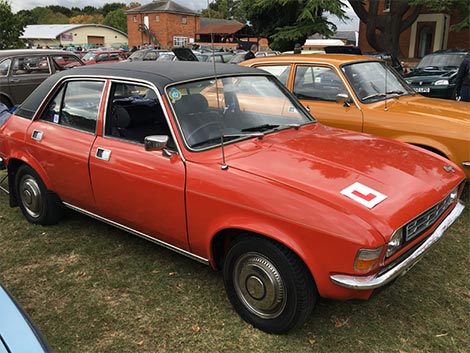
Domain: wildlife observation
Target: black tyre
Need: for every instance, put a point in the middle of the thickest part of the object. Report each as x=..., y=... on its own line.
x=268, y=285
x=39, y=206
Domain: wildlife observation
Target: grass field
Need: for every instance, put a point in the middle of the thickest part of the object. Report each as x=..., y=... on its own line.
x=92, y=288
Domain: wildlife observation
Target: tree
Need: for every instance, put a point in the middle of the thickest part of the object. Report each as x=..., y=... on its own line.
x=461, y=7
x=108, y=8
x=87, y=19
x=116, y=19
x=286, y=22
x=383, y=29
x=227, y=9
x=11, y=27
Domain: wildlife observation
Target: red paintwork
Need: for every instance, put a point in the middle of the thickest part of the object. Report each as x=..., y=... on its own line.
x=285, y=186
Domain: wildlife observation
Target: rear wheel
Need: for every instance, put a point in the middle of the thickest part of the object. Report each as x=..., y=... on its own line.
x=39, y=206
x=268, y=285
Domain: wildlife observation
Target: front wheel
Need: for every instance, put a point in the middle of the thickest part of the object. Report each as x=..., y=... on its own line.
x=38, y=205
x=268, y=285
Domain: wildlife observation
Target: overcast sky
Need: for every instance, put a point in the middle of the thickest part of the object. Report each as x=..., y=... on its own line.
x=17, y=5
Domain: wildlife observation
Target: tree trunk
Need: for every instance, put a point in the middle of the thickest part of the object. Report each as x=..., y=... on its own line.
x=383, y=30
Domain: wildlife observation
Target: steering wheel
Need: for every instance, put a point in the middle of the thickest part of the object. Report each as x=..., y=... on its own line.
x=203, y=133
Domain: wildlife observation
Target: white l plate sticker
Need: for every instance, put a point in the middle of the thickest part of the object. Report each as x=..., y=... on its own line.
x=364, y=195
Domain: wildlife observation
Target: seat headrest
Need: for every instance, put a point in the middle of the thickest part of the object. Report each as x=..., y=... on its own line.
x=121, y=116
x=191, y=103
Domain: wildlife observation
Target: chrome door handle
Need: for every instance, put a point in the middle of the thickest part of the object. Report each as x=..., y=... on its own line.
x=103, y=154
x=36, y=135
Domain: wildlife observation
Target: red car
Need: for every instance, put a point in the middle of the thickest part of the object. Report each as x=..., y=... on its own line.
x=228, y=168
x=103, y=57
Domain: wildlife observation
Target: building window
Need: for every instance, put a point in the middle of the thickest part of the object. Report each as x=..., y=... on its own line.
x=184, y=20
x=135, y=19
x=180, y=41
x=157, y=18
x=387, y=5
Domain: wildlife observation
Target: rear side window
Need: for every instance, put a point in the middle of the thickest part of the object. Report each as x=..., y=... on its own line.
x=76, y=105
x=64, y=62
x=30, y=65
x=280, y=71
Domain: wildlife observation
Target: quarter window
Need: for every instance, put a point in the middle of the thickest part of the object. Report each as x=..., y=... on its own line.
x=76, y=105
x=4, y=66
x=318, y=83
x=280, y=71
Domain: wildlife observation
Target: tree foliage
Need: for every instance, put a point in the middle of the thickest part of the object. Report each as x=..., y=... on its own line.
x=11, y=27
x=227, y=9
x=286, y=22
x=116, y=19
x=87, y=19
x=383, y=29
x=460, y=7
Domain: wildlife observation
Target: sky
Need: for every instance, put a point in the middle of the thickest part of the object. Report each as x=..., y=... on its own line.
x=17, y=5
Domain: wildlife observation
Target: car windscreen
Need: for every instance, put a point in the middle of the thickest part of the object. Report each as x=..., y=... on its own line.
x=233, y=108
x=439, y=61
x=373, y=81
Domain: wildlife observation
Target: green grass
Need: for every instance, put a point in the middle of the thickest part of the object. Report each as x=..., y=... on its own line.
x=92, y=288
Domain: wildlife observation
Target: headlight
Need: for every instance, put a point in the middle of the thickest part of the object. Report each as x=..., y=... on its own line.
x=441, y=82
x=367, y=259
x=395, y=243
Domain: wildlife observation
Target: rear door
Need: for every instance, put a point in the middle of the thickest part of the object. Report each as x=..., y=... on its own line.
x=63, y=136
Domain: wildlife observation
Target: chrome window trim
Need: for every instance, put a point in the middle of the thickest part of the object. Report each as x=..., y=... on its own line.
x=140, y=234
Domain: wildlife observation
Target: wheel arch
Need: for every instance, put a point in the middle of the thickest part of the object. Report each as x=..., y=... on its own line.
x=5, y=99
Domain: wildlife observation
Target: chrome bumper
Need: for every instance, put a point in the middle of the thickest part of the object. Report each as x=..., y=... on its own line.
x=378, y=280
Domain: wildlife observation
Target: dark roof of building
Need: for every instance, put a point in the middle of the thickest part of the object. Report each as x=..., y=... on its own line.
x=162, y=6
x=219, y=26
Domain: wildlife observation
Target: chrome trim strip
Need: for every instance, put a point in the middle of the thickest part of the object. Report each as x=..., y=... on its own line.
x=139, y=234
x=466, y=164
x=375, y=281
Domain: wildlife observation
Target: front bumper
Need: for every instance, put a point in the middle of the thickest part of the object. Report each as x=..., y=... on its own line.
x=381, y=279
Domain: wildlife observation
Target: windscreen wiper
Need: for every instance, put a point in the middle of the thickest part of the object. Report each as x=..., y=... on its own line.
x=265, y=127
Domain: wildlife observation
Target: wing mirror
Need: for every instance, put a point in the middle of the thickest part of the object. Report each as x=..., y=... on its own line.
x=157, y=143
x=343, y=98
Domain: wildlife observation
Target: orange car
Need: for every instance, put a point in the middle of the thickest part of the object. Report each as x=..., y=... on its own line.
x=363, y=94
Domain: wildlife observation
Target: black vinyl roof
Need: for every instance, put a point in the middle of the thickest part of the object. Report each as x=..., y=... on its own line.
x=160, y=73
x=157, y=73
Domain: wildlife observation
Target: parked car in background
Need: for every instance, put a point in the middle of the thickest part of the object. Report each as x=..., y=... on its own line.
x=267, y=53
x=435, y=74
x=362, y=93
x=226, y=167
x=237, y=58
x=103, y=56
x=22, y=70
x=147, y=54
x=390, y=58
x=18, y=334
x=218, y=57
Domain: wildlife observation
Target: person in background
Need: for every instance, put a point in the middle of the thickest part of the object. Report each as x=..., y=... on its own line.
x=462, y=87
x=297, y=48
x=252, y=52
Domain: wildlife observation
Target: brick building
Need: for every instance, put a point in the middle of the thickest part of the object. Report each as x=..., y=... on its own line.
x=430, y=32
x=162, y=23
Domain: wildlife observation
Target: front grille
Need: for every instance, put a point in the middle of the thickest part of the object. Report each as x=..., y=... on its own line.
x=421, y=223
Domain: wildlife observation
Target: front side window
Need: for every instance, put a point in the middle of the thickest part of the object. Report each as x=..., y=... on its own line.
x=64, y=62
x=317, y=83
x=30, y=65
x=374, y=81
x=232, y=108
x=4, y=67
x=76, y=105
x=134, y=112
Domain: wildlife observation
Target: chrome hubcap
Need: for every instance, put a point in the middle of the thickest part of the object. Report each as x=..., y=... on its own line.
x=30, y=195
x=259, y=285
